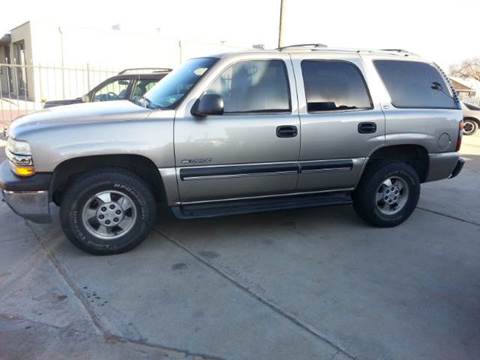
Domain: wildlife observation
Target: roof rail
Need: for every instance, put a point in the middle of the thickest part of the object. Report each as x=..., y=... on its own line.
x=400, y=51
x=302, y=45
x=152, y=69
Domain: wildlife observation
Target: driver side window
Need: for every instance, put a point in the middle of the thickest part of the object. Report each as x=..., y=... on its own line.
x=254, y=86
x=115, y=90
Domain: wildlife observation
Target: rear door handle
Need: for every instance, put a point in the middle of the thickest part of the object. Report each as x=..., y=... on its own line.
x=367, y=128
x=287, y=131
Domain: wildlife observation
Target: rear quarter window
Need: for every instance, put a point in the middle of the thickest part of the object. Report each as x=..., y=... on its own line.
x=410, y=84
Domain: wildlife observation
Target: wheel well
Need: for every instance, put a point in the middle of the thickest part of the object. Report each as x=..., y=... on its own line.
x=472, y=118
x=143, y=167
x=415, y=155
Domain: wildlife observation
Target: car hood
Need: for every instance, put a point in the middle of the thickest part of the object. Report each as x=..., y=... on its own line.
x=77, y=114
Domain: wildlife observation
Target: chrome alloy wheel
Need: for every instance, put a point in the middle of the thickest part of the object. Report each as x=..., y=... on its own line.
x=469, y=127
x=109, y=214
x=392, y=195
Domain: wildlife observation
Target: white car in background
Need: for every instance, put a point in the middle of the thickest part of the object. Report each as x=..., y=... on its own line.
x=471, y=118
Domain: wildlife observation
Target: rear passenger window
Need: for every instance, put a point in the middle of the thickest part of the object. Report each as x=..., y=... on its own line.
x=410, y=84
x=334, y=85
x=254, y=86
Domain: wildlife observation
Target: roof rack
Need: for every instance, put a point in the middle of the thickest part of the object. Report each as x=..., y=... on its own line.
x=400, y=51
x=302, y=45
x=151, y=69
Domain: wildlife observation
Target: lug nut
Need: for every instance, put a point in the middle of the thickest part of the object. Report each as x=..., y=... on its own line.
x=101, y=216
x=118, y=212
x=107, y=222
x=112, y=207
x=103, y=208
x=115, y=220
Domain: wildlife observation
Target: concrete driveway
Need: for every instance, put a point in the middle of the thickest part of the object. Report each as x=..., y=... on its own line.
x=302, y=284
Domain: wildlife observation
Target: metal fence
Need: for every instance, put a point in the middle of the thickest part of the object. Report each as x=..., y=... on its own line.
x=26, y=88
x=471, y=100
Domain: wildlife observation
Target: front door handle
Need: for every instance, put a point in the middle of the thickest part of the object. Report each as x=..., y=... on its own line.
x=287, y=131
x=367, y=128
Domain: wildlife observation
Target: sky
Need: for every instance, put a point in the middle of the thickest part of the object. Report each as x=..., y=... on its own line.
x=443, y=31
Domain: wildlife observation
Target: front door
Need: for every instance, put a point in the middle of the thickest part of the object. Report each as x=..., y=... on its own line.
x=250, y=150
x=341, y=125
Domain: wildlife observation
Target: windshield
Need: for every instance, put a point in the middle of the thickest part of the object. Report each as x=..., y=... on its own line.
x=171, y=90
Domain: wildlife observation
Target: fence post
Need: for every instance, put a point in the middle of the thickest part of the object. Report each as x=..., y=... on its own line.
x=88, y=77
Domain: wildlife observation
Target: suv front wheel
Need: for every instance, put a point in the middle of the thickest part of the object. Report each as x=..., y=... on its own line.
x=108, y=211
x=387, y=193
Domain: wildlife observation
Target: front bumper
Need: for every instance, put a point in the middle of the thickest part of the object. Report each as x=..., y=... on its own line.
x=27, y=197
x=32, y=205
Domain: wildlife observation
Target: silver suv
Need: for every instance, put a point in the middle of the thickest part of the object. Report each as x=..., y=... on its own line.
x=236, y=133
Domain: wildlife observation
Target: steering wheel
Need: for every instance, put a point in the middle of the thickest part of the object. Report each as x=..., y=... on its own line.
x=112, y=96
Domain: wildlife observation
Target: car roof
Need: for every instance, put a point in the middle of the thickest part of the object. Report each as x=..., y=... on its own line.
x=320, y=48
x=144, y=71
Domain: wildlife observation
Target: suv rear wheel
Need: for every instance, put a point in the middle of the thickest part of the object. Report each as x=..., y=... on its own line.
x=108, y=212
x=387, y=194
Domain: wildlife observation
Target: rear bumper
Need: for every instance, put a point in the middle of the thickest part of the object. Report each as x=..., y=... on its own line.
x=458, y=168
x=32, y=205
x=444, y=166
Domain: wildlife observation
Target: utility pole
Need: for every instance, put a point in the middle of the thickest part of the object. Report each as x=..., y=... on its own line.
x=62, y=60
x=281, y=23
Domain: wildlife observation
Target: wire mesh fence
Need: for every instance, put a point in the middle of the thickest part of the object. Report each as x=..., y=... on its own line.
x=26, y=88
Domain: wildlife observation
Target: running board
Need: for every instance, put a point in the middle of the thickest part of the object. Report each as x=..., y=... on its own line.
x=236, y=207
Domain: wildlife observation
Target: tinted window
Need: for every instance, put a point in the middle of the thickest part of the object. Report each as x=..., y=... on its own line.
x=254, y=86
x=114, y=90
x=169, y=92
x=142, y=86
x=334, y=85
x=410, y=84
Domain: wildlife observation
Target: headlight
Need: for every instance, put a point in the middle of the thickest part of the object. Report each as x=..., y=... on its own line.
x=18, y=147
x=19, y=155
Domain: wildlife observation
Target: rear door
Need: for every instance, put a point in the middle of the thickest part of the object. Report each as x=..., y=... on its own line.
x=341, y=123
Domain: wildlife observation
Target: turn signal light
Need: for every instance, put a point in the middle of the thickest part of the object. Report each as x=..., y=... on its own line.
x=23, y=171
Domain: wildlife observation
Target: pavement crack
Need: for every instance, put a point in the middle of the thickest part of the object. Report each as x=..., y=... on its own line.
x=184, y=352
x=75, y=289
x=107, y=335
x=265, y=301
x=448, y=216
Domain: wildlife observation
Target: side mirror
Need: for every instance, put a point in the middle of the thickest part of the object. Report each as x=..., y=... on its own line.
x=208, y=104
x=85, y=98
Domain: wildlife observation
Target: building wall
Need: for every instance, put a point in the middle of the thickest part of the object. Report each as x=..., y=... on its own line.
x=3, y=71
x=22, y=75
x=61, y=55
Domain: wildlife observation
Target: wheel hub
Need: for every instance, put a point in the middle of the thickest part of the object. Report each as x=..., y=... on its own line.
x=110, y=214
x=392, y=195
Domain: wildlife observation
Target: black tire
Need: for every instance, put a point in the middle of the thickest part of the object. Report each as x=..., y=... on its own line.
x=117, y=180
x=470, y=127
x=364, y=196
